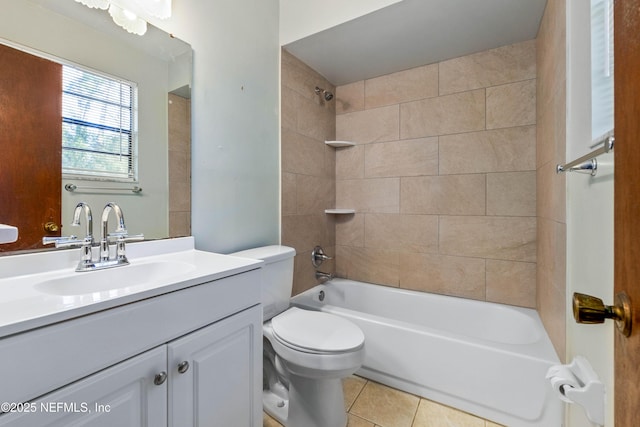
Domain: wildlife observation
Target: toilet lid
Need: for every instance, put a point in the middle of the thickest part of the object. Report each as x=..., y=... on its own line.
x=317, y=331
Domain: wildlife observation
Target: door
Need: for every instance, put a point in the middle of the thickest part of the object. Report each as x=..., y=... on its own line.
x=215, y=374
x=31, y=146
x=124, y=395
x=627, y=205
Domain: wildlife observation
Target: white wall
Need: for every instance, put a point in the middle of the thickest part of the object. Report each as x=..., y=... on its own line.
x=38, y=28
x=235, y=119
x=589, y=216
x=301, y=18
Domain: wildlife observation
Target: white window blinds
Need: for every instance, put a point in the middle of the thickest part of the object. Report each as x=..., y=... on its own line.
x=601, y=67
x=98, y=126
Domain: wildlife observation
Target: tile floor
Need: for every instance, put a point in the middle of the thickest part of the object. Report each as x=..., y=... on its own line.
x=370, y=404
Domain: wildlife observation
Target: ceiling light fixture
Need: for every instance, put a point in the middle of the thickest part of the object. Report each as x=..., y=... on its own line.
x=129, y=14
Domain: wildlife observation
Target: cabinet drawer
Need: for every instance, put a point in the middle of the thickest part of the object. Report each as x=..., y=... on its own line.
x=35, y=362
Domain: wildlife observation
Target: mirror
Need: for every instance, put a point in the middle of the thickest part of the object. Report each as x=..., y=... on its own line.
x=69, y=32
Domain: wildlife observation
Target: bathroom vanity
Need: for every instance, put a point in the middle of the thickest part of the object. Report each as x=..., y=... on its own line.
x=181, y=346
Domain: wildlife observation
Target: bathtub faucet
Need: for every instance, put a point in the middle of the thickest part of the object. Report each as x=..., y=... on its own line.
x=323, y=277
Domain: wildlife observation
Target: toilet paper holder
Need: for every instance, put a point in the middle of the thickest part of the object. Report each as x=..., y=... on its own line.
x=578, y=383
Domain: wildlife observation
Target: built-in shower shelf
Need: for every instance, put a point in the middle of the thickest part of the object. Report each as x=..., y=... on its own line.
x=340, y=211
x=339, y=144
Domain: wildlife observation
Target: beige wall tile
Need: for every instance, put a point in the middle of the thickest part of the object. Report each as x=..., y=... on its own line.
x=403, y=86
x=381, y=195
x=551, y=193
x=314, y=194
x=289, y=109
x=303, y=273
x=289, y=195
x=329, y=162
x=298, y=76
x=551, y=201
x=301, y=154
x=449, y=275
x=385, y=406
x=342, y=261
x=180, y=196
x=302, y=232
x=493, y=67
x=403, y=233
x=449, y=194
x=500, y=150
x=350, y=162
x=361, y=127
x=551, y=284
x=511, y=193
x=179, y=162
x=551, y=264
x=179, y=224
x=350, y=230
x=511, y=105
x=510, y=282
x=402, y=158
x=428, y=412
x=462, y=112
x=316, y=121
x=350, y=97
x=372, y=265
x=505, y=238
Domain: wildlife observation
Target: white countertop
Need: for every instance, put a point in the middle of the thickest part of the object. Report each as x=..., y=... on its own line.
x=23, y=306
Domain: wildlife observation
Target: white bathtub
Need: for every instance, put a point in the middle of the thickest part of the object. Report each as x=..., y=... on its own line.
x=484, y=358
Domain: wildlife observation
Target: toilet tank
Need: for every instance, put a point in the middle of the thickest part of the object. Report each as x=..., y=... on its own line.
x=277, y=276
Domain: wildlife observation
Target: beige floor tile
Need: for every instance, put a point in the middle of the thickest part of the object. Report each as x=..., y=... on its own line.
x=431, y=414
x=267, y=421
x=358, y=422
x=352, y=387
x=385, y=406
x=490, y=424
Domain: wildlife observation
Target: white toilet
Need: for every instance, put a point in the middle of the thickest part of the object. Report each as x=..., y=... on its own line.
x=306, y=353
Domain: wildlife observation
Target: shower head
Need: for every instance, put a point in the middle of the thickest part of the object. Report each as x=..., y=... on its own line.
x=328, y=96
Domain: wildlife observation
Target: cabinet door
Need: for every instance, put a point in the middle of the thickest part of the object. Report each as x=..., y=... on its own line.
x=123, y=395
x=223, y=382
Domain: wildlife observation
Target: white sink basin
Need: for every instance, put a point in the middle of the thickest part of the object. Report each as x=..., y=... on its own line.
x=115, y=278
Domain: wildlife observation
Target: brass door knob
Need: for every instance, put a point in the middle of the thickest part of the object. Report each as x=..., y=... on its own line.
x=51, y=227
x=588, y=309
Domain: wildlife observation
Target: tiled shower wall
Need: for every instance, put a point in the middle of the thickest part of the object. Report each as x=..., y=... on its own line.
x=442, y=177
x=179, y=111
x=308, y=168
x=552, y=229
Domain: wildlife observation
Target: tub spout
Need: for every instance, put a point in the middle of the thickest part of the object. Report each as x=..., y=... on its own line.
x=323, y=277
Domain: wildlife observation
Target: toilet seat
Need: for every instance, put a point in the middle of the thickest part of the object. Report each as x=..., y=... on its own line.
x=316, y=332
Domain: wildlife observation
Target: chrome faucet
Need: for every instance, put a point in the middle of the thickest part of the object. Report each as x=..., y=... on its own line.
x=323, y=277
x=120, y=234
x=121, y=229
x=73, y=241
x=87, y=243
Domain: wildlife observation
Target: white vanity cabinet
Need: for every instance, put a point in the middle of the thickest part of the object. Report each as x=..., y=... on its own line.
x=212, y=374
x=185, y=358
x=123, y=395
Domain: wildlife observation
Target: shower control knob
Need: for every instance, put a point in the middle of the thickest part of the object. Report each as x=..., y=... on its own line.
x=588, y=309
x=183, y=367
x=318, y=256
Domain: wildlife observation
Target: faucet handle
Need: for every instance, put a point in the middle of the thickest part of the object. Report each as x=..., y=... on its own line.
x=120, y=236
x=63, y=241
